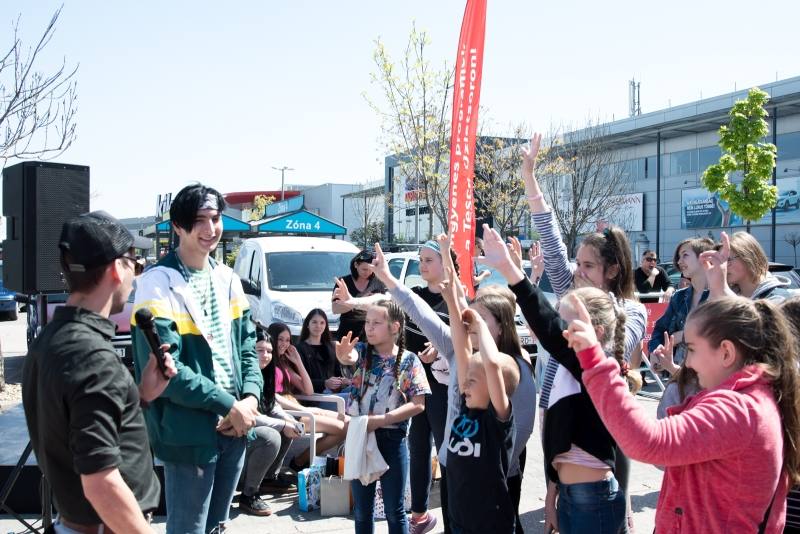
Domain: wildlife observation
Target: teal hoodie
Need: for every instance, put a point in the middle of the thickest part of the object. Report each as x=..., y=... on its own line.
x=182, y=422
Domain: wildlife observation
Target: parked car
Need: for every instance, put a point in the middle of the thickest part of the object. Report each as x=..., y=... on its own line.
x=673, y=273
x=122, y=324
x=788, y=272
x=405, y=267
x=787, y=200
x=285, y=277
x=8, y=306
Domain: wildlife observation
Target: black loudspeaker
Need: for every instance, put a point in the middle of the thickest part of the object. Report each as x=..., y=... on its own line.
x=37, y=198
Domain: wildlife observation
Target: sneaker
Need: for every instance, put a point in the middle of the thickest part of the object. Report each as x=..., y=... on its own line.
x=278, y=485
x=423, y=526
x=254, y=505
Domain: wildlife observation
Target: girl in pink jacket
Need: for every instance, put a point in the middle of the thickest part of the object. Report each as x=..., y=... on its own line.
x=729, y=451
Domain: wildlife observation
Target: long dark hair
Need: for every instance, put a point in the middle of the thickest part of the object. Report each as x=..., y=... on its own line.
x=268, y=373
x=762, y=335
x=274, y=330
x=326, y=334
x=613, y=247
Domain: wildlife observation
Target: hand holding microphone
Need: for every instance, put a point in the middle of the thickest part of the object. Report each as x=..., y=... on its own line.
x=160, y=367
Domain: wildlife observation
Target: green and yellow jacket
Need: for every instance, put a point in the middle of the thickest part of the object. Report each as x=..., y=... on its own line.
x=181, y=422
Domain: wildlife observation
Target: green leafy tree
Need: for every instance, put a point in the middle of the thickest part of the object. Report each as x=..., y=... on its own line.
x=414, y=108
x=743, y=150
x=373, y=234
x=260, y=203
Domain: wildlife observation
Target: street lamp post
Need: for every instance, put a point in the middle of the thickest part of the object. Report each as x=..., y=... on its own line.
x=283, y=170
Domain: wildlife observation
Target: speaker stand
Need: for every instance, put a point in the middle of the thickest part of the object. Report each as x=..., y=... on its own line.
x=47, y=508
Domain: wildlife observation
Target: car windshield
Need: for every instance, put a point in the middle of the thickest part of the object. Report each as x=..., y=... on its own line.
x=306, y=271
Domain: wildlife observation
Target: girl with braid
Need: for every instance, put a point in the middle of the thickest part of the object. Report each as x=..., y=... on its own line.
x=731, y=450
x=389, y=385
x=584, y=495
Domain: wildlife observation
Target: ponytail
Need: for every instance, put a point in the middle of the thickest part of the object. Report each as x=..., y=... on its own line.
x=605, y=311
x=761, y=334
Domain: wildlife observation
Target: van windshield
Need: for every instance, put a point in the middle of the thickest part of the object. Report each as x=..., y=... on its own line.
x=306, y=271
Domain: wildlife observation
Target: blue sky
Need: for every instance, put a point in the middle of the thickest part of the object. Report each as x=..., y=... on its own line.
x=173, y=92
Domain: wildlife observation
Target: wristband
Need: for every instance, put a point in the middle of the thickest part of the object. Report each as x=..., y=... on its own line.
x=535, y=197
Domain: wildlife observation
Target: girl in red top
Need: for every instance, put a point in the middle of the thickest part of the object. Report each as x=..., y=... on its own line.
x=730, y=450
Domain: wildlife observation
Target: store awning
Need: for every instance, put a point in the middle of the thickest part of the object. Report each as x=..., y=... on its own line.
x=229, y=224
x=299, y=222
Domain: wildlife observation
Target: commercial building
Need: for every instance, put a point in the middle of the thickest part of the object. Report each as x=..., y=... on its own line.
x=663, y=155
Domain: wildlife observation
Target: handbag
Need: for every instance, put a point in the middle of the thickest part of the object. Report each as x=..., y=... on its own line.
x=308, y=485
x=334, y=496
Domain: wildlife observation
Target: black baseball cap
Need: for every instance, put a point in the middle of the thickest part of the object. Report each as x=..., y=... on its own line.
x=95, y=239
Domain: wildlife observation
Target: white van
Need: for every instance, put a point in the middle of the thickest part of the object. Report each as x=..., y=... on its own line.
x=285, y=277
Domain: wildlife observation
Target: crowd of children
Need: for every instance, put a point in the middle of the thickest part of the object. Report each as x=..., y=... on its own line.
x=427, y=367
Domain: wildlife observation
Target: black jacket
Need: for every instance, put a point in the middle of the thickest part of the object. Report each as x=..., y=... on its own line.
x=319, y=369
x=571, y=416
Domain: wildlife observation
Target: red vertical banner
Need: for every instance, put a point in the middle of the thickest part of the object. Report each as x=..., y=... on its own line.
x=466, y=97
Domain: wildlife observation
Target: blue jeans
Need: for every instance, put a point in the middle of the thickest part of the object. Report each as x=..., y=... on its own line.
x=393, y=447
x=591, y=507
x=199, y=496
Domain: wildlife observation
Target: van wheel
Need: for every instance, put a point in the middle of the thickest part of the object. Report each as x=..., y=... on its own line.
x=13, y=315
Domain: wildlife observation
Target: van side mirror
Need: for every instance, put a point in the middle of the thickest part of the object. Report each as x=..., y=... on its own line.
x=251, y=287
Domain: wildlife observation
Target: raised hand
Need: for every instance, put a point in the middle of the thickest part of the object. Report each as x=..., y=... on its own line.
x=664, y=354
x=580, y=334
x=449, y=286
x=529, y=155
x=344, y=347
x=515, y=250
x=537, y=261
x=715, y=264
x=473, y=321
x=294, y=356
x=341, y=293
x=495, y=251
x=445, y=242
x=381, y=268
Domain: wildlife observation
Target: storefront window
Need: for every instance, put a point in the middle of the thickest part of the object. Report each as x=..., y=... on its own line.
x=789, y=146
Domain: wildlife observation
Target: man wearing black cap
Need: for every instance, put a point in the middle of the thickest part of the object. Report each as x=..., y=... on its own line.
x=81, y=404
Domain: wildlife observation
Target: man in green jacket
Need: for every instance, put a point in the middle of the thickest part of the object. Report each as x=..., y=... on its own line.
x=198, y=426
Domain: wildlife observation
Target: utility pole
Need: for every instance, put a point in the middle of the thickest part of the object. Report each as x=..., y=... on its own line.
x=282, y=169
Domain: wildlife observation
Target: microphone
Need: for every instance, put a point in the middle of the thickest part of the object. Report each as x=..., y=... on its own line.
x=144, y=320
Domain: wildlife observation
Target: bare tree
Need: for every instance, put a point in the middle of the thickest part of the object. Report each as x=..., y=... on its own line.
x=367, y=205
x=793, y=238
x=582, y=179
x=416, y=120
x=498, y=188
x=37, y=109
